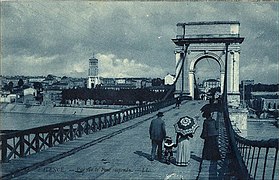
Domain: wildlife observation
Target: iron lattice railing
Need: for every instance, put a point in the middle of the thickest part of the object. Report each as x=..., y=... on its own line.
x=22, y=143
x=260, y=157
x=252, y=159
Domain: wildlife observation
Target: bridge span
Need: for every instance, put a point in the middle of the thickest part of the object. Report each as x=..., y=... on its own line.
x=118, y=152
x=117, y=146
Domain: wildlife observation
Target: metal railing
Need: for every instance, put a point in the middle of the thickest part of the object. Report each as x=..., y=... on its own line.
x=260, y=157
x=244, y=163
x=252, y=159
x=22, y=143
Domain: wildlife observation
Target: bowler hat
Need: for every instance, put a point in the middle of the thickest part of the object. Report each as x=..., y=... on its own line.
x=160, y=114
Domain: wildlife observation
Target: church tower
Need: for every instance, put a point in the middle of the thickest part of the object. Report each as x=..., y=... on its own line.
x=93, y=71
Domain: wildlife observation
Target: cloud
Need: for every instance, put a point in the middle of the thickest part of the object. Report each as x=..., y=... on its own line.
x=111, y=66
x=21, y=65
x=263, y=70
x=62, y=35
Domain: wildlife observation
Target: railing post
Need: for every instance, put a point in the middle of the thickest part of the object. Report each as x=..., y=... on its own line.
x=86, y=131
x=124, y=116
x=265, y=159
x=100, y=123
x=79, y=129
x=61, y=135
x=274, y=165
x=21, y=146
x=247, y=161
x=4, y=149
x=37, y=142
x=95, y=125
x=251, y=166
x=71, y=132
x=114, y=119
x=256, y=167
x=50, y=138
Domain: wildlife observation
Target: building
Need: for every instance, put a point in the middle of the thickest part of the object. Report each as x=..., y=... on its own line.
x=36, y=79
x=169, y=79
x=8, y=98
x=125, y=83
x=30, y=91
x=247, y=82
x=210, y=84
x=52, y=96
x=93, y=72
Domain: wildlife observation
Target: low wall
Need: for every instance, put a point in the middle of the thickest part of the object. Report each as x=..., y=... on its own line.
x=238, y=119
x=49, y=109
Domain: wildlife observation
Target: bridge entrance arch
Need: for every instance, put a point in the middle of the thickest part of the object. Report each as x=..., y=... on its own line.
x=219, y=40
x=199, y=58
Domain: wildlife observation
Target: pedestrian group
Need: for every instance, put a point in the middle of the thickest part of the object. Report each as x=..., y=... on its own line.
x=157, y=132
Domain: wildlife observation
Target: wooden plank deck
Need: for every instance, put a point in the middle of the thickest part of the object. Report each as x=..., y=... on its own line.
x=119, y=152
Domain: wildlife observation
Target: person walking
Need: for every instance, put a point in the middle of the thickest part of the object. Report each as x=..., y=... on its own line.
x=178, y=102
x=210, y=134
x=157, y=134
x=185, y=127
x=183, y=151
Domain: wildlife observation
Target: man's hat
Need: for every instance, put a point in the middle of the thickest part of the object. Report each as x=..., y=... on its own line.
x=160, y=114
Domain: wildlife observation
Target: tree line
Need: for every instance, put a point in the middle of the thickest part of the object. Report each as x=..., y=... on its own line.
x=117, y=97
x=262, y=87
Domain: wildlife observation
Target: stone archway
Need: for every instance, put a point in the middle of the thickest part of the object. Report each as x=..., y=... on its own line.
x=219, y=40
x=195, y=61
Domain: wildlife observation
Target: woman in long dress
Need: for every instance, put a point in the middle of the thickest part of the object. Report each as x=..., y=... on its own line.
x=183, y=149
x=210, y=134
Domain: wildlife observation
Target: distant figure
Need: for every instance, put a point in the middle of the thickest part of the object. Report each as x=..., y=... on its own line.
x=157, y=134
x=178, y=102
x=183, y=149
x=168, y=145
x=210, y=134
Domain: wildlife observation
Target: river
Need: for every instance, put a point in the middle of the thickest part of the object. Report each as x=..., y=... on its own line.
x=261, y=130
x=22, y=121
x=256, y=130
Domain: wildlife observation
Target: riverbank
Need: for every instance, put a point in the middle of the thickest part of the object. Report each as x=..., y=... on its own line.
x=261, y=130
x=57, y=110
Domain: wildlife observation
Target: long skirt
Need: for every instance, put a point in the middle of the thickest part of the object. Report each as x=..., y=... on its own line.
x=210, y=149
x=183, y=152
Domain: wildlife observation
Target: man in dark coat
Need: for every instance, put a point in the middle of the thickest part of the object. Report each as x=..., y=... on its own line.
x=157, y=134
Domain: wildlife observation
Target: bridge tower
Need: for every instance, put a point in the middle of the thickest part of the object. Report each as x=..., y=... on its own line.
x=217, y=40
x=93, y=73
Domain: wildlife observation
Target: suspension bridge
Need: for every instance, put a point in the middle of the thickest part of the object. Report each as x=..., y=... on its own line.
x=116, y=145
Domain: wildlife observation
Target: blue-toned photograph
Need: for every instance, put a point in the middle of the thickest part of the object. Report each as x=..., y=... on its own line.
x=139, y=90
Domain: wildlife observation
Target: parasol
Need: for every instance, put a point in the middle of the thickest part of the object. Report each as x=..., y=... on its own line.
x=186, y=125
x=210, y=107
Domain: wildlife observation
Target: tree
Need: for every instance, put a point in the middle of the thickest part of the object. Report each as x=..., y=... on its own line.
x=20, y=83
x=49, y=77
x=37, y=85
x=157, y=82
x=11, y=86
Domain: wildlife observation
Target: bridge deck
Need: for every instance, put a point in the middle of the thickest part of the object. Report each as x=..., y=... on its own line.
x=119, y=152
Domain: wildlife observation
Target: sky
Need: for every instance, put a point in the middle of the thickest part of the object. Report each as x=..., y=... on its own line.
x=130, y=38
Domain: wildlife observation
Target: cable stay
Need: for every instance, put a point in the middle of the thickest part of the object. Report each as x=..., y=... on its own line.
x=179, y=66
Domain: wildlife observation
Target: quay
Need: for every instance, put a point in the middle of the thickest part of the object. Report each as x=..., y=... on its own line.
x=118, y=152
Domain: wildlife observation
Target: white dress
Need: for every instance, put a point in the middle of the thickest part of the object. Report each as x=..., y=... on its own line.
x=183, y=151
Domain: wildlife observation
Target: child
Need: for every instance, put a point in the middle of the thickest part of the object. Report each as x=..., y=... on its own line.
x=168, y=145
